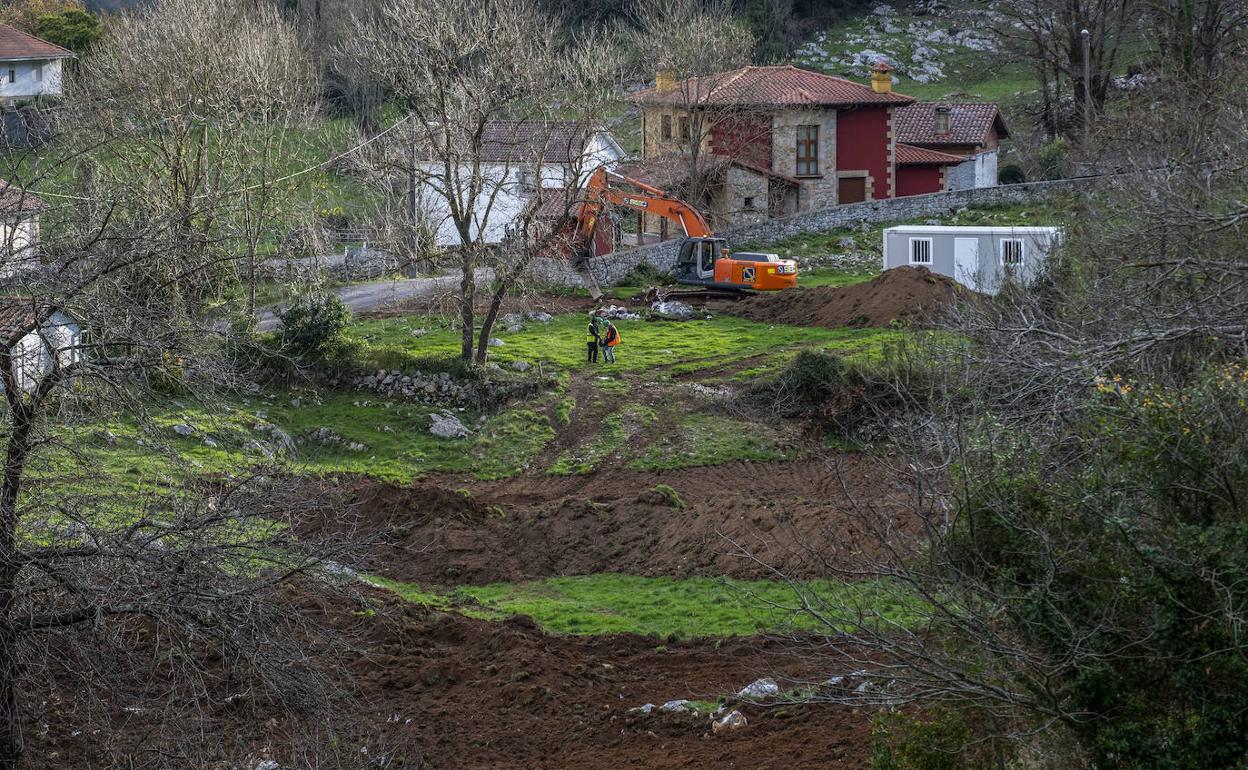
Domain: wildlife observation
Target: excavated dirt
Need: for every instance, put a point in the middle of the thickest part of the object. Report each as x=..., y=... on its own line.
x=430, y=690
x=913, y=294
x=806, y=518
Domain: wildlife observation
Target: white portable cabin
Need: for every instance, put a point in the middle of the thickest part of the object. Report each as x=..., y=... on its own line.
x=979, y=258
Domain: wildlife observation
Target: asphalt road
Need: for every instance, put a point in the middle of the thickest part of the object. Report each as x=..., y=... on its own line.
x=375, y=295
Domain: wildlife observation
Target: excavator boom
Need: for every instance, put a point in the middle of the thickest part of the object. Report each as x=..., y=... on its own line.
x=704, y=259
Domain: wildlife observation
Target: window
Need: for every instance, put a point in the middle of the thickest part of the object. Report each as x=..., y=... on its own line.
x=708, y=256
x=808, y=150
x=38, y=73
x=665, y=128
x=920, y=251
x=12, y=75
x=748, y=204
x=684, y=128
x=1012, y=252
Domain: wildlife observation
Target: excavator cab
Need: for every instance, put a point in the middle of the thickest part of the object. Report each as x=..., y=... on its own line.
x=695, y=263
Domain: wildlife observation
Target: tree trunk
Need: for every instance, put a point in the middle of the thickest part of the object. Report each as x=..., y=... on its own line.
x=487, y=322
x=467, y=293
x=14, y=468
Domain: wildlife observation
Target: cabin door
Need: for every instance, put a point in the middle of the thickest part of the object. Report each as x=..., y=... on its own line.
x=966, y=261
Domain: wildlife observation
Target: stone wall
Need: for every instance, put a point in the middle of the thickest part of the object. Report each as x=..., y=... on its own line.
x=610, y=268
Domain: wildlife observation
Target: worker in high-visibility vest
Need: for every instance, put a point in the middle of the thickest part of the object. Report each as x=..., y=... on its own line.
x=609, y=341
x=593, y=339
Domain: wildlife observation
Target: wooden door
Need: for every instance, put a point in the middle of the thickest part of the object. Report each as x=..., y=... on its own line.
x=851, y=189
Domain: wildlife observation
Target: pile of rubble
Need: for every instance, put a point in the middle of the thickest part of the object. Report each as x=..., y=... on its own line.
x=430, y=388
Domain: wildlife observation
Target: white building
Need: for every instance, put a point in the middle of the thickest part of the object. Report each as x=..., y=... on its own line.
x=19, y=230
x=980, y=258
x=29, y=67
x=516, y=158
x=37, y=344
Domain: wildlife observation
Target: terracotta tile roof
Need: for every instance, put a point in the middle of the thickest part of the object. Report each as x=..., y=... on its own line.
x=909, y=155
x=14, y=198
x=17, y=45
x=17, y=317
x=969, y=123
x=781, y=86
x=561, y=142
x=556, y=202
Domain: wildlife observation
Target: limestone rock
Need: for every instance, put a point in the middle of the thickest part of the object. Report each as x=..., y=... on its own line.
x=446, y=426
x=760, y=688
x=733, y=720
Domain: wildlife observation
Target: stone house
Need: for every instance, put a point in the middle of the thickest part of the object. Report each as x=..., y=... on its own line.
x=779, y=140
x=970, y=130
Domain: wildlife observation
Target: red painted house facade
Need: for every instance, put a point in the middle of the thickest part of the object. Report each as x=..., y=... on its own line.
x=780, y=140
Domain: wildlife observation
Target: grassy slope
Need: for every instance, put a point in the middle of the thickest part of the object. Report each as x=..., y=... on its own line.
x=663, y=607
x=655, y=347
x=969, y=74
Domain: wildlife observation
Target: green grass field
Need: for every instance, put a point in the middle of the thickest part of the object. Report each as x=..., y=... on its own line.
x=677, y=608
x=651, y=347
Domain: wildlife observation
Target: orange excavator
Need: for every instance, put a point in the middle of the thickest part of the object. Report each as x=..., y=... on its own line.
x=703, y=259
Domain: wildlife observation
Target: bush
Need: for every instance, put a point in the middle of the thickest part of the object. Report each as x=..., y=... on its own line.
x=1052, y=159
x=312, y=326
x=645, y=274
x=1011, y=173
x=846, y=398
x=1120, y=548
x=938, y=739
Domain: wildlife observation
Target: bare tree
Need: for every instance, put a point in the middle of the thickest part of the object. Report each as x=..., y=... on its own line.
x=1050, y=31
x=1073, y=455
x=148, y=199
x=484, y=85
x=696, y=48
x=231, y=88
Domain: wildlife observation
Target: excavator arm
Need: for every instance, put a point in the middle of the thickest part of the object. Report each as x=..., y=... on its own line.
x=641, y=197
x=703, y=259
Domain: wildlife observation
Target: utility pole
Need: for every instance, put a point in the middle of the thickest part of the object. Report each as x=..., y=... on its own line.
x=411, y=193
x=1087, y=88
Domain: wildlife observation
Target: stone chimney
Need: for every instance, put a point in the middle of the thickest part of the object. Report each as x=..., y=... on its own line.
x=665, y=80
x=882, y=78
x=943, y=112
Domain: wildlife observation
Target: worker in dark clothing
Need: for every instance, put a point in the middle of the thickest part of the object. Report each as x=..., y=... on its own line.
x=593, y=339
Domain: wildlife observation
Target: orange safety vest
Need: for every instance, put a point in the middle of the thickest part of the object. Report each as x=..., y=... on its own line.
x=613, y=336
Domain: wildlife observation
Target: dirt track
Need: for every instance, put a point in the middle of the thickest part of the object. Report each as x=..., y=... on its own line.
x=452, y=530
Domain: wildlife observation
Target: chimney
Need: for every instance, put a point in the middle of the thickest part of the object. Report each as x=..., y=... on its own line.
x=942, y=119
x=882, y=78
x=665, y=80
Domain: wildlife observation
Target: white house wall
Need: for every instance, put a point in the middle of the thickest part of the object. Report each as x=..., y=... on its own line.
x=33, y=354
x=40, y=77
x=513, y=184
x=18, y=246
x=979, y=170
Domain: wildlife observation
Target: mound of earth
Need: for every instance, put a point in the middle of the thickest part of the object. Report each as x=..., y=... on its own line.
x=913, y=294
x=797, y=516
x=421, y=689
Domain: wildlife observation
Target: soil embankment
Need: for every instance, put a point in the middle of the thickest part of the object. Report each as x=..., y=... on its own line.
x=913, y=294
x=731, y=520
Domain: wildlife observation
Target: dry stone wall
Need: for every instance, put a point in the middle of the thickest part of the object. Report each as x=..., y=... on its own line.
x=611, y=268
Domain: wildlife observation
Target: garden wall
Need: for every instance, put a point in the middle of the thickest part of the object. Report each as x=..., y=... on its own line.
x=610, y=268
